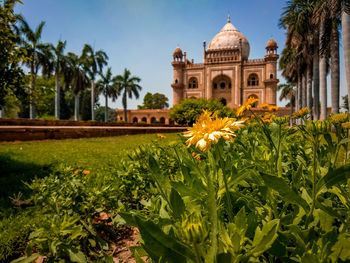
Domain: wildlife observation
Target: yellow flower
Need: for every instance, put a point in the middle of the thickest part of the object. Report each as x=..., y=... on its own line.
x=281, y=120
x=161, y=136
x=193, y=154
x=273, y=108
x=264, y=106
x=301, y=113
x=198, y=158
x=86, y=172
x=346, y=125
x=268, y=117
x=339, y=118
x=76, y=171
x=208, y=130
x=246, y=106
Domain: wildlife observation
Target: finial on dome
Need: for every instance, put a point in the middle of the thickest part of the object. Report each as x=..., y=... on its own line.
x=228, y=19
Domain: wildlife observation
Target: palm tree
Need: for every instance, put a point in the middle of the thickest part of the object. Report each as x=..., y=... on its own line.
x=33, y=47
x=129, y=87
x=75, y=75
x=288, y=93
x=345, y=25
x=94, y=62
x=109, y=87
x=59, y=64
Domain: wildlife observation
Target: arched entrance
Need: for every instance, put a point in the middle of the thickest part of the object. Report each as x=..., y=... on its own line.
x=162, y=120
x=135, y=120
x=222, y=86
x=153, y=120
x=144, y=119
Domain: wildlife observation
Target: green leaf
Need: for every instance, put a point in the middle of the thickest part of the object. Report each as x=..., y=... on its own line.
x=264, y=238
x=177, y=204
x=138, y=253
x=333, y=177
x=161, y=244
x=279, y=185
x=76, y=255
x=26, y=259
x=107, y=258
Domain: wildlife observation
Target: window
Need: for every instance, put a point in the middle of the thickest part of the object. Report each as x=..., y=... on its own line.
x=253, y=80
x=229, y=85
x=271, y=76
x=175, y=80
x=222, y=85
x=193, y=83
x=215, y=86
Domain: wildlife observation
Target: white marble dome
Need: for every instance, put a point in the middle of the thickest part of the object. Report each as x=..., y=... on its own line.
x=228, y=38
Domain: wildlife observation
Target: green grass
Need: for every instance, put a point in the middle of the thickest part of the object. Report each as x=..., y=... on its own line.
x=22, y=161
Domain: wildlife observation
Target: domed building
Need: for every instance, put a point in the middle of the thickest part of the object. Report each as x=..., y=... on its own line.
x=226, y=73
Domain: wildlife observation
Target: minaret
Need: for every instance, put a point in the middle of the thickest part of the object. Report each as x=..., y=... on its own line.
x=271, y=80
x=178, y=80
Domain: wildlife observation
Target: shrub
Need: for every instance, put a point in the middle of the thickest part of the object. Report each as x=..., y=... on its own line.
x=189, y=110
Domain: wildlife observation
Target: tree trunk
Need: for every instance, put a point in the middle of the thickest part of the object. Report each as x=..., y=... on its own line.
x=92, y=99
x=316, y=79
x=304, y=98
x=31, y=92
x=323, y=87
x=125, y=107
x=106, y=108
x=309, y=87
x=323, y=80
x=335, y=82
x=57, y=96
x=300, y=92
x=2, y=112
x=345, y=24
x=291, y=112
x=76, y=106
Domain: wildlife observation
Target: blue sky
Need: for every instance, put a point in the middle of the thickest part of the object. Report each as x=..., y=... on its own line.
x=141, y=34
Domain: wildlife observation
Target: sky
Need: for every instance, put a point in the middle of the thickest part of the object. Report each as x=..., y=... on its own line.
x=141, y=35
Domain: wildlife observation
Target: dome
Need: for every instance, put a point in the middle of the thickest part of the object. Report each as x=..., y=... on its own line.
x=229, y=38
x=271, y=44
x=177, y=52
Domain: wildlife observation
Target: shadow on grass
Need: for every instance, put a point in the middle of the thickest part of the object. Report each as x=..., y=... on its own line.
x=13, y=175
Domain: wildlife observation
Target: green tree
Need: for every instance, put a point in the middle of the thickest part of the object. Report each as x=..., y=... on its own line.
x=59, y=65
x=288, y=93
x=154, y=101
x=94, y=62
x=189, y=110
x=100, y=114
x=108, y=87
x=34, y=50
x=11, y=74
x=76, y=77
x=129, y=86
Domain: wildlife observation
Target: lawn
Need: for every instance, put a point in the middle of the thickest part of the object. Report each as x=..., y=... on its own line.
x=22, y=161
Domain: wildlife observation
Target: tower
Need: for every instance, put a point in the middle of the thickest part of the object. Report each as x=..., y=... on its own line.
x=178, y=76
x=271, y=80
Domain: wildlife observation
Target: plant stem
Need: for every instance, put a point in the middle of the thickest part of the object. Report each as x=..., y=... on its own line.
x=227, y=192
x=314, y=166
x=213, y=216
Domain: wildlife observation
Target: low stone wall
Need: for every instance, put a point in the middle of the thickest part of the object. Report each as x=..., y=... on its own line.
x=29, y=133
x=39, y=122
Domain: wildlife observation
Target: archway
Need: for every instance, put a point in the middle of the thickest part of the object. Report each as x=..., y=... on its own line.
x=221, y=87
x=153, y=120
x=162, y=120
x=253, y=80
x=223, y=101
x=144, y=119
x=135, y=120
